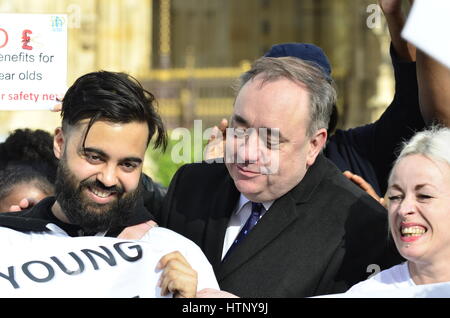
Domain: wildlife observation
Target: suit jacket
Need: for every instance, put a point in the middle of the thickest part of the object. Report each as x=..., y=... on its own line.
x=318, y=238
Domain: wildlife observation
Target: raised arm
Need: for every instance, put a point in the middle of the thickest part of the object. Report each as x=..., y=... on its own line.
x=433, y=80
x=378, y=142
x=403, y=117
x=392, y=10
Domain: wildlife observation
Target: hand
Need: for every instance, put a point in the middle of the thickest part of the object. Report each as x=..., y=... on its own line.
x=56, y=108
x=23, y=205
x=216, y=143
x=178, y=277
x=392, y=10
x=136, y=232
x=363, y=184
x=214, y=293
x=391, y=7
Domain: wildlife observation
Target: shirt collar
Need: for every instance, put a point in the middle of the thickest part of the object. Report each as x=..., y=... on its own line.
x=243, y=200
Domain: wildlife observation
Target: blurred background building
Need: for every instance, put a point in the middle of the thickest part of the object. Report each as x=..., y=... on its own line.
x=189, y=52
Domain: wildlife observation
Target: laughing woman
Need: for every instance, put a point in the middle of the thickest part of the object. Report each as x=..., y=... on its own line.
x=419, y=214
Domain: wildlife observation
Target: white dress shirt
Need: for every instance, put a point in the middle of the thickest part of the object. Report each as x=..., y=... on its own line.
x=238, y=219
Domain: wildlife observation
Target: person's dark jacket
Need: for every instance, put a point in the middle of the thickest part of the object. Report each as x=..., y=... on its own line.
x=317, y=239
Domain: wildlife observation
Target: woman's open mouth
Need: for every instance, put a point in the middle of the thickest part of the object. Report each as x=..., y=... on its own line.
x=410, y=232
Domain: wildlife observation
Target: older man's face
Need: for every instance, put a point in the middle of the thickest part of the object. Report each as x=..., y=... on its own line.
x=275, y=154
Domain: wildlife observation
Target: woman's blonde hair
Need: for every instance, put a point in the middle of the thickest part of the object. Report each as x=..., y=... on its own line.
x=433, y=143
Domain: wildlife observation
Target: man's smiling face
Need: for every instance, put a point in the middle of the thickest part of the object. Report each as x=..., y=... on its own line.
x=98, y=180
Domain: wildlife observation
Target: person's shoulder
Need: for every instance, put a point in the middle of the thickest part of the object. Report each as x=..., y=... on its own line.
x=334, y=178
x=346, y=200
x=32, y=219
x=17, y=236
x=324, y=179
x=168, y=239
x=7, y=233
x=202, y=172
x=165, y=233
x=205, y=167
x=343, y=186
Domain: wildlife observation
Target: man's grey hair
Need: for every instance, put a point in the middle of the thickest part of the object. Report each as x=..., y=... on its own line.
x=322, y=92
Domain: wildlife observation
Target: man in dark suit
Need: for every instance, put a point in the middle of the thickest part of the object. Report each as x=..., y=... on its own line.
x=278, y=219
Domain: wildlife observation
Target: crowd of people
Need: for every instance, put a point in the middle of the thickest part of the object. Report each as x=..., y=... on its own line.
x=295, y=208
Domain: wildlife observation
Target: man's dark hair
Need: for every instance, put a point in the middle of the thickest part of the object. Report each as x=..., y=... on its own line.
x=112, y=97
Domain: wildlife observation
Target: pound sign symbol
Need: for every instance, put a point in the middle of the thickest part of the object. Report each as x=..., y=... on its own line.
x=26, y=39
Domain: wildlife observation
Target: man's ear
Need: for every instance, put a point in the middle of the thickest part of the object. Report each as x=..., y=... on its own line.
x=59, y=143
x=316, y=144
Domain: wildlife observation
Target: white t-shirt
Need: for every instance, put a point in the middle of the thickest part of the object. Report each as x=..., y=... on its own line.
x=393, y=278
x=52, y=264
x=395, y=282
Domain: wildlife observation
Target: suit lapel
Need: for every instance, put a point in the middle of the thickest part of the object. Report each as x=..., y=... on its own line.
x=223, y=203
x=280, y=215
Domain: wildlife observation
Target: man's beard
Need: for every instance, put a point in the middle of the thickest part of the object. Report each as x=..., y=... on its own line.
x=92, y=217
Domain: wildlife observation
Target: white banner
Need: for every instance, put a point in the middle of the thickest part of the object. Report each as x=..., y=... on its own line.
x=55, y=265
x=427, y=28
x=33, y=60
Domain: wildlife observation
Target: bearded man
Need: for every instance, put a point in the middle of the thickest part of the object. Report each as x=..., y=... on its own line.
x=108, y=120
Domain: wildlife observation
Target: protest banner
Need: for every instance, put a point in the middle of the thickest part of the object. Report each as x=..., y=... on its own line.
x=33, y=60
x=427, y=27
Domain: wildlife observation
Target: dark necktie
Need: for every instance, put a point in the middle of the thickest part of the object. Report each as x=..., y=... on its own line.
x=248, y=226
